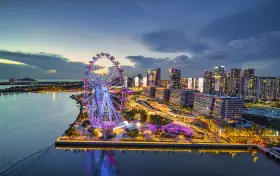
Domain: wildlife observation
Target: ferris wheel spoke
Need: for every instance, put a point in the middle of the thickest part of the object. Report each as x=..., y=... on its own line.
x=116, y=114
x=117, y=104
x=110, y=72
x=114, y=82
x=113, y=74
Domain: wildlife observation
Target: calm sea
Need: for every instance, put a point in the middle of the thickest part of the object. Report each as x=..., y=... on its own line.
x=29, y=122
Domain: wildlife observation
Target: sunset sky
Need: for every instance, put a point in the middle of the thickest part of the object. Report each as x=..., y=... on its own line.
x=191, y=35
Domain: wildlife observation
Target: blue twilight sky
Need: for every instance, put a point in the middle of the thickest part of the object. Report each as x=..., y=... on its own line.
x=50, y=38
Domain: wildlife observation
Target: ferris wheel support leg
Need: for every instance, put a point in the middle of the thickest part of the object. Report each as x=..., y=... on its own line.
x=92, y=111
x=100, y=117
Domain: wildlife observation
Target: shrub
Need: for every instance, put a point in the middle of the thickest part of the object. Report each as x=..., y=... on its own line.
x=128, y=115
x=132, y=132
x=159, y=120
x=85, y=123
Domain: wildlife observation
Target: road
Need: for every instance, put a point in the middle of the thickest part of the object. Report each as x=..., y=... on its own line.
x=169, y=116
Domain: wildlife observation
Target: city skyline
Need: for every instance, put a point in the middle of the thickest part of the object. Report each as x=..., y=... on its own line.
x=193, y=37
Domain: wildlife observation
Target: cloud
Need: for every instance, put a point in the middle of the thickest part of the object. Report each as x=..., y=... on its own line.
x=41, y=65
x=236, y=53
x=245, y=24
x=151, y=62
x=261, y=47
x=218, y=54
x=171, y=41
x=188, y=66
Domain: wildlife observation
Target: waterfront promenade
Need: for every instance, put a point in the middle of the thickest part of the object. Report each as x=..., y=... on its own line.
x=108, y=143
x=139, y=145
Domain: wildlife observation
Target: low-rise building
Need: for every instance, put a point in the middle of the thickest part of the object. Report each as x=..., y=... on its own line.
x=149, y=91
x=218, y=107
x=228, y=107
x=181, y=97
x=204, y=104
x=162, y=94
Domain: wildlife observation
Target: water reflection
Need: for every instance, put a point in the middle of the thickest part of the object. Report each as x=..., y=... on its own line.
x=102, y=163
x=92, y=162
x=53, y=96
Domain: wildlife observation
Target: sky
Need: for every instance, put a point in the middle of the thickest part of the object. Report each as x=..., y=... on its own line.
x=55, y=38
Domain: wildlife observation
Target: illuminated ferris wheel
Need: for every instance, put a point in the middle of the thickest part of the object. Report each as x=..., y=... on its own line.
x=102, y=103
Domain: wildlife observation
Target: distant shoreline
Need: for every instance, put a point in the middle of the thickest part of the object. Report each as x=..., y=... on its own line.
x=56, y=86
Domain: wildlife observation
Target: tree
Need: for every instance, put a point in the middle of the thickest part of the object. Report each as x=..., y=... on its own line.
x=143, y=115
x=85, y=114
x=71, y=131
x=128, y=115
x=85, y=123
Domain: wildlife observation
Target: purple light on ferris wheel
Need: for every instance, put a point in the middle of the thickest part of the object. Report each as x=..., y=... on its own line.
x=98, y=97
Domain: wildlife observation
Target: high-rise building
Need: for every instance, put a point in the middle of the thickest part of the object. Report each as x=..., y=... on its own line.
x=190, y=83
x=235, y=73
x=268, y=88
x=162, y=94
x=235, y=83
x=248, y=73
x=145, y=81
x=220, y=71
x=278, y=88
x=164, y=83
x=136, y=81
x=153, y=77
x=181, y=97
x=209, y=83
x=195, y=84
x=175, y=77
x=250, y=88
x=140, y=76
x=184, y=83
x=220, y=80
x=128, y=81
x=200, y=84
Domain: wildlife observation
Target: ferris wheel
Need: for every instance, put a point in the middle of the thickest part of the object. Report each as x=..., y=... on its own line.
x=101, y=102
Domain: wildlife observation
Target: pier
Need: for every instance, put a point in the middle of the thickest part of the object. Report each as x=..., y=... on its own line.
x=269, y=152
